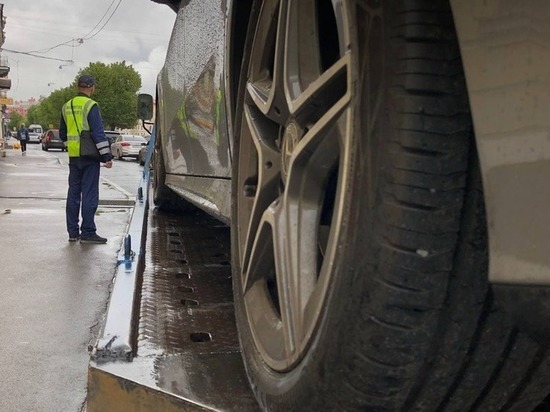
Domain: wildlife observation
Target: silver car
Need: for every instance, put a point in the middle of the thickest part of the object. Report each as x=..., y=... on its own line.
x=127, y=146
x=384, y=168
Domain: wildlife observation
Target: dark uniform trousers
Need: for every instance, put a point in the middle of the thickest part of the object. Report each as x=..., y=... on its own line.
x=83, y=194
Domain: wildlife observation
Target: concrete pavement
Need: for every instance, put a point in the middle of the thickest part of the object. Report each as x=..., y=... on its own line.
x=53, y=294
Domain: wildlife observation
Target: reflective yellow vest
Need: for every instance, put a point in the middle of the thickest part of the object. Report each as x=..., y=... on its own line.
x=77, y=122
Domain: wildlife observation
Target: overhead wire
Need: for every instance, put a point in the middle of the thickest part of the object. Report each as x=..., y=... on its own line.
x=99, y=21
x=37, y=56
x=66, y=43
x=102, y=27
x=80, y=40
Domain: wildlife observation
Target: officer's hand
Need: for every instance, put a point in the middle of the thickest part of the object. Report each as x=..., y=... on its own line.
x=109, y=164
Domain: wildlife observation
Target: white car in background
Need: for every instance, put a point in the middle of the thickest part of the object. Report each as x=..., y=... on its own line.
x=35, y=133
x=127, y=146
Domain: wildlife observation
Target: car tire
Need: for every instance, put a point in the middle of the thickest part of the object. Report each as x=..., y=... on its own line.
x=358, y=231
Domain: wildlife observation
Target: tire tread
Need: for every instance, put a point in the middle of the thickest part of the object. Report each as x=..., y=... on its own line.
x=430, y=317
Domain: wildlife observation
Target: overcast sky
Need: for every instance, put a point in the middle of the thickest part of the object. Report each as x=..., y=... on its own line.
x=138, y=32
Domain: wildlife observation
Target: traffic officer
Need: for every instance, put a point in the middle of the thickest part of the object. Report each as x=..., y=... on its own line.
x=81, y=127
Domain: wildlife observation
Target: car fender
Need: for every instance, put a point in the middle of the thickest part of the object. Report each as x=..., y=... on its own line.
x=504, y=47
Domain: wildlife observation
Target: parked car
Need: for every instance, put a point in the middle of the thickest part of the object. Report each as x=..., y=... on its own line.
x=127, y=146
x=112, y=135
x=346, y=143
x=35, y=133
x=143, y=154
x=51, y=140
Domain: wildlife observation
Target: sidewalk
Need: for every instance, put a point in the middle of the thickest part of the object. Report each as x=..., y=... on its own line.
x=53, y=294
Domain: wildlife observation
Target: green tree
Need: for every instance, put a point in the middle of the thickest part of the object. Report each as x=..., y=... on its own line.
x=15, y=120
x=32, y=115
x=117, y=85
x=49, y=110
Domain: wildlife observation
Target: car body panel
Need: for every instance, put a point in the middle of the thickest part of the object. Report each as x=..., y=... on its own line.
x=215, y=201
x=191, y=115
x=193, y=124
x=505, y=49
x=506, y=56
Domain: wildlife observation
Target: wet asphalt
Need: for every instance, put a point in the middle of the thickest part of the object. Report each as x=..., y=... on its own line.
x=53, y=293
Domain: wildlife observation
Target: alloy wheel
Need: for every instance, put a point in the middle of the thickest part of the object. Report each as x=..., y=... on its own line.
x=297, y=140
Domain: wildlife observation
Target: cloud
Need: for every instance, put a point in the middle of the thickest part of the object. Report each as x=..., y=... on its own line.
x=149, y=69
x=138, y=33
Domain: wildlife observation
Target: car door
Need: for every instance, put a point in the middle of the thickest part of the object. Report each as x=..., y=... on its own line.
x=194, y=128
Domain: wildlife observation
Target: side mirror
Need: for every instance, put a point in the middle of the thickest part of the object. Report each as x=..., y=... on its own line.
x=145, y=107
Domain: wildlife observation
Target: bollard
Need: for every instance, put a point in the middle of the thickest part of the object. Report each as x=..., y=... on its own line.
x=127, y=247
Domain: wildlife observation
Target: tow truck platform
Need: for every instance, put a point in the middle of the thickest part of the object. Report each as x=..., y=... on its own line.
x=169, y=340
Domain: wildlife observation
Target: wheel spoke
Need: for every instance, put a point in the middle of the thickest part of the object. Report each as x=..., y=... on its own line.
x=322, y=94
x=265, y=85
x=261, y=188
x=314, y=79
x=314, y=159
x=269, y=263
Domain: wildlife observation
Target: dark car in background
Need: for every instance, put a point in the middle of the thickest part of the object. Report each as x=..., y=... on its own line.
x=143, y=154
x=50, y=140
x=112, y=135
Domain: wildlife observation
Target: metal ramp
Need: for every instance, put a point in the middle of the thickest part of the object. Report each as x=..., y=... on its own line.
x=169, y=341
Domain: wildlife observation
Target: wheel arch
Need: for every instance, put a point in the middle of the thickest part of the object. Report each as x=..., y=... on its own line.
x=507, y=69
x=507, y=75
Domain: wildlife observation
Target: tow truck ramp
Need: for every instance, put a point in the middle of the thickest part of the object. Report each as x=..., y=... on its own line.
x=169, y=340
